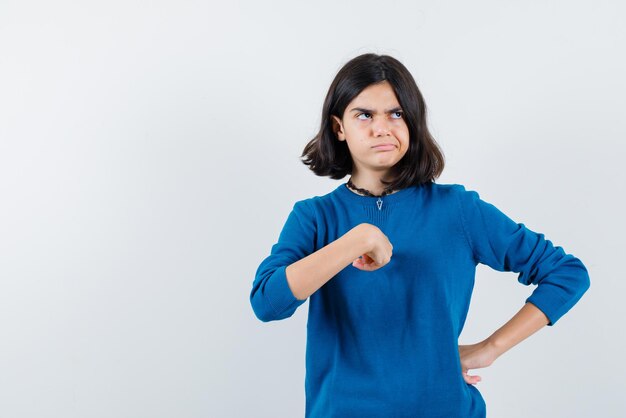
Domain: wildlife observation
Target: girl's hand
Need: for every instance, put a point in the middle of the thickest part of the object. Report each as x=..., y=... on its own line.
x=379, y=248
x=475, y=356
x=367, y=263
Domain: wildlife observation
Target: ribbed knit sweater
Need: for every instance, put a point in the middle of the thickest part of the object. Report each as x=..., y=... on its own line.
x=384, y=343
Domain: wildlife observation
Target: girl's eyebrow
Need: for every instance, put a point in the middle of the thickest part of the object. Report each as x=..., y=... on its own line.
x=361, y=109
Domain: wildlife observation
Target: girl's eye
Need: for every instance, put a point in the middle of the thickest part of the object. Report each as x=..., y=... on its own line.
x=368, y=115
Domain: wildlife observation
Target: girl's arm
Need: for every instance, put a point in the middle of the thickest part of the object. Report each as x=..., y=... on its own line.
x=307, y=275
x=505, y=245
x=525, y=323
x=296, y=268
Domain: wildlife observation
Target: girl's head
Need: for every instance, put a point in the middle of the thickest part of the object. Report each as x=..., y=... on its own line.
x=374, y=100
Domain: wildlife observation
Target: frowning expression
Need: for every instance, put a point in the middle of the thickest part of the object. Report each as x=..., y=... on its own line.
x=374, y=128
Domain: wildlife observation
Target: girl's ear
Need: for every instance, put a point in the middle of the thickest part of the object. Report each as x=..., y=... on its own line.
x=338, y=128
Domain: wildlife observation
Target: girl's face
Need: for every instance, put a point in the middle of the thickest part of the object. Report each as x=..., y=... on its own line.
x=374, y=128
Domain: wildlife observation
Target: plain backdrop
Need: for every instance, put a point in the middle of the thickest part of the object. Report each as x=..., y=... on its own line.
x=149, y=157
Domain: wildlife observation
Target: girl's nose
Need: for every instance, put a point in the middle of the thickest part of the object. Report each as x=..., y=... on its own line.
x=381, y=127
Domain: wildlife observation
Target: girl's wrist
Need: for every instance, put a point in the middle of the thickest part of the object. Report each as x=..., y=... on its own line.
x=362, y=238
x=495, y=346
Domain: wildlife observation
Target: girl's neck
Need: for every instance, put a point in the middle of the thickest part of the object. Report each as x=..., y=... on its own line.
x=373, y=185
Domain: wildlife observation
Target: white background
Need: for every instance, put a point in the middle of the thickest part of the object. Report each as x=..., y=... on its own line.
x=149, y=156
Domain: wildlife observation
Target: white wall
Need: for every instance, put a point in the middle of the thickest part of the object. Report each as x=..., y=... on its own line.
x=149, y=158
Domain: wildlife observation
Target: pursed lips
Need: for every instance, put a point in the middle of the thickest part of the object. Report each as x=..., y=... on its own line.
x=385, y=145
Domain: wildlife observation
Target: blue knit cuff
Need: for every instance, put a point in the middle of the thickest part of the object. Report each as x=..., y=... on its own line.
x=546, y=303
x=279, y=294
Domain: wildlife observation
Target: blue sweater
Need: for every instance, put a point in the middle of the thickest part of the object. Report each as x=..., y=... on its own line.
x=385, y=343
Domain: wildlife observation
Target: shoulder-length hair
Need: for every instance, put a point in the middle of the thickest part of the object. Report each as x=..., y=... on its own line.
x=327, y=156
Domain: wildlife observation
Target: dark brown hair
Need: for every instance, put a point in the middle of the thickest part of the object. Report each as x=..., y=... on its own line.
x=327, y=156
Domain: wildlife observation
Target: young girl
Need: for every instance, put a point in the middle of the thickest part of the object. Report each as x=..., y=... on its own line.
x=388, y=259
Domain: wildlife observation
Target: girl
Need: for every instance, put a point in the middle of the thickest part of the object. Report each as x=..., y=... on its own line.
x=388, y=259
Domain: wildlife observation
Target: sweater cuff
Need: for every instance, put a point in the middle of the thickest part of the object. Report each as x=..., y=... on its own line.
x=546, y=303
x=279, y=294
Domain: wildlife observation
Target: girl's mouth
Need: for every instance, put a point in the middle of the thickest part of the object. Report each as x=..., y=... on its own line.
x=384, y=147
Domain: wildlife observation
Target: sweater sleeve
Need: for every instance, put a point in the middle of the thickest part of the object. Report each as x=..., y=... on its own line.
x=271, y=297
x=505, y=245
